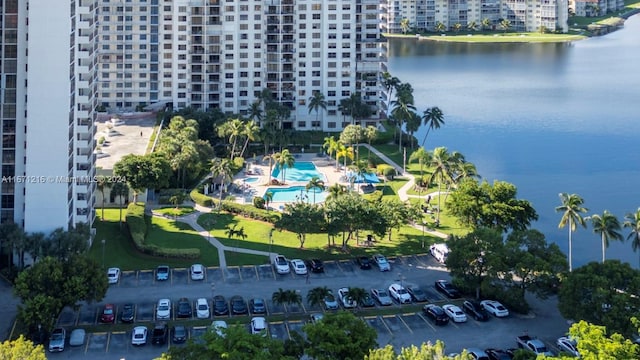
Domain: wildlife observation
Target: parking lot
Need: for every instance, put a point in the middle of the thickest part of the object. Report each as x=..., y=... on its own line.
x=408, y=326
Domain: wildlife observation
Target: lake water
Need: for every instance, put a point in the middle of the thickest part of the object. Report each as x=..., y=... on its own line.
x=549, y=118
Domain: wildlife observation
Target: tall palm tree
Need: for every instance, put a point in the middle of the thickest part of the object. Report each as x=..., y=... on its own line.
x=632, y=221
x=315, y=296
x=403, y=107
x=405, y=25
x=423, y=157
x=330, y=145
x=251, y=132
x=121, y=191
x=370, y=133
x=486, y=23
x=345, y=152
x=286, y=297
x=390, y=83
x=457, y=27
x=268, y=197
x=272, y=158
x=232, y=129
x=313, y=184
x=101, y=185
x=359, y=170
x=608, y=227
x=571, y=209
x=442, y=163
x=221, y=168
x=433, y=118
x=505, y=24
x=317, y=102
x=440, y=27
x=412, y=125
x=283, y=161
x=472, y=26
x=255, y=111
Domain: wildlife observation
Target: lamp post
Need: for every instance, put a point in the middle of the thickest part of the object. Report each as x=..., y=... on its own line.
x=104, y=241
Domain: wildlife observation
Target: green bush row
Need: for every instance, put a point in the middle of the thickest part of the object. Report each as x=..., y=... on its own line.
x=201, y=199
x=137, y=225
x=251, y=212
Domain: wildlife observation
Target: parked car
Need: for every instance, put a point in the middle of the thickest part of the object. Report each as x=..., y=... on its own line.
x=257, y=306
x=57, y=339
x=220, y=306
x=399, y=293
x=163, y=310
x=315, y=265
x=417, y=294
x=364, y=263
x=259, y=326
x=160, y=334
x=314, y=318
x=382, y=296
x=475, y=310
x=446, y=288
x=202, y=308
x=435, y=313
x=495, y=308
x=139, y=335
x=299, y=267
x=180, y=334
x=440, y=252
x=382, y=262
x=477, y=354
x=108, y=314
x=330, y=302
x=367, y=301
x=568, y=345
x=343, y=294
x=197, y=272
x=454, y=313
x=127, y=313
x=220, y=327
x=113, y=274
x=184, y=308
x=532, y=344
x=238, y=305
x=497, y=354
x=77, y=337
x=162, y=273
x=281, y=264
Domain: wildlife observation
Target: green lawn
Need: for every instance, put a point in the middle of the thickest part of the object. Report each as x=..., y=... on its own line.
x=174, y=234
x=173, y=211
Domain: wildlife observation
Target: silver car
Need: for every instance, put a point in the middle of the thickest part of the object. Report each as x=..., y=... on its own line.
x=382, y=296
x=56, y=341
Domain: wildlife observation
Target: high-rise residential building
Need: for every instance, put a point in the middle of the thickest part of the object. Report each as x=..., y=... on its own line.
x=47, y=107
x=209, y=54
x=523, y=15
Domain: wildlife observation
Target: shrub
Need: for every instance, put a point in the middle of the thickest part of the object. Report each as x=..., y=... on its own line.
x=258, y=202
x=386, y=170
x=201, y=199
x=251, y=212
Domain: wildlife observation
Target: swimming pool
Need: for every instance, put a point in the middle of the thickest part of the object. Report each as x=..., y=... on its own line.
x=250, y=179
x=301, y=171
x=292, y=194
x=368, y=178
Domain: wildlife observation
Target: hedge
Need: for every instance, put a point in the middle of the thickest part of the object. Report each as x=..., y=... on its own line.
x=251, y=212
x=200, y=198
x=137, y=225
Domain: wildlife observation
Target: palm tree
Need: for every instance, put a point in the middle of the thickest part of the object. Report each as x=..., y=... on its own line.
x=571, y=209
x=255, y=111
x=345, y=152
x=286, y=297
x=357, y=295
x=221, y=168
x=336, y=190
x=505, y=24
x=457, y=27
x=101, y=185
x=441, y=161
x=313, y=184
x=608, y=226
x=440, y=27
x=370, y=133
x=423, y=157
x=317, y=102
x=120, y=190
x=433, y=118
x=283, y=161
x=251, y=132
x=632, y=221
x=272, y=160
x=233, y=129
x=405, y=25
x=268, y=197
x=389, y=82
x=486, y=23
x=403, y=107
x=412, y=125
x=472, y=26
x=330, y=145
x=359, y=169
x=315, y=296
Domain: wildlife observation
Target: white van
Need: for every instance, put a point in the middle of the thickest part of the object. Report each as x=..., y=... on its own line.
x=439, y=252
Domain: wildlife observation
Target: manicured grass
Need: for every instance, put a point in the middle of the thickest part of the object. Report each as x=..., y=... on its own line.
x=174, y=234
x=238, y=259
x=173, y=211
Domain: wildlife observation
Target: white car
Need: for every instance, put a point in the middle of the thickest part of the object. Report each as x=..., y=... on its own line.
x=57, y=339
x=163, y=310
x=299, y=267
x=495, y=308
x=139, y=335
x=113, y=274
x=440, y=252
x=281, y=264
x=197, y=272
x=343, y=294
x=568, y=345
x=202, y=308
x=220, y=327
x=381, y=261
x=259, y=326
x=454, y=313
x=399, y=293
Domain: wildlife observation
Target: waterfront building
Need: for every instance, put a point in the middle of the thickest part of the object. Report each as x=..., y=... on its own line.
x=47, y=101
x=595, y=7
x=209, y=54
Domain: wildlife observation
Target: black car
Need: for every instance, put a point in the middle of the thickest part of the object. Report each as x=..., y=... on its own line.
x=257, y=306
x=127, y=314
x=497, y=354
x=160, y=334
x=220, y=306
x=184, y=308
x=417, y=294
x=367, y=301
x=238, y=306
x=364, y=263
x=446, y=288
x=474, y=310
x=315, y=265
x=180, y=334
x=435, y=313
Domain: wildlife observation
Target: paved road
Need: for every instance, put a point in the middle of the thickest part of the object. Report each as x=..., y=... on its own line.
x=8, y=309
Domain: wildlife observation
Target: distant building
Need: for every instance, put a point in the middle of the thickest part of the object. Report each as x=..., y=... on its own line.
x=595, y=7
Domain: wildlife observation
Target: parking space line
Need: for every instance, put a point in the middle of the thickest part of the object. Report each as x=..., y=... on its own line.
x=286, y=326
x=255, y=268
x=385, y=324
x=426, y=321
x=86, y=347
x=222, y=273
x=339, y=264
x=106, y=348
x=405, y=324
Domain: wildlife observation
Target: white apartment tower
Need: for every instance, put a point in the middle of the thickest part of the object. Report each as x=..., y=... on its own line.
x=221, y=54
x=47, y=112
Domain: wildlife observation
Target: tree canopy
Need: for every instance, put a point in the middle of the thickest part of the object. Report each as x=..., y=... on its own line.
x=339, y=335
x=151, y=171
x=21, y=349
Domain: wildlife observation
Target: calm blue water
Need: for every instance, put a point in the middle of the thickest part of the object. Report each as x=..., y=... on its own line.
x=250, y=179
x=365, y=178
x=301, y=171
x=549, y=118
x=297, y=193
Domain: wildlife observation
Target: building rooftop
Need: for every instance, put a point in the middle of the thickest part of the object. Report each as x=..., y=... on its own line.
x=129, y=135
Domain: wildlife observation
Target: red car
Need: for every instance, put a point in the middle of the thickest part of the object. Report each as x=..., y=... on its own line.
x=108, y=314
